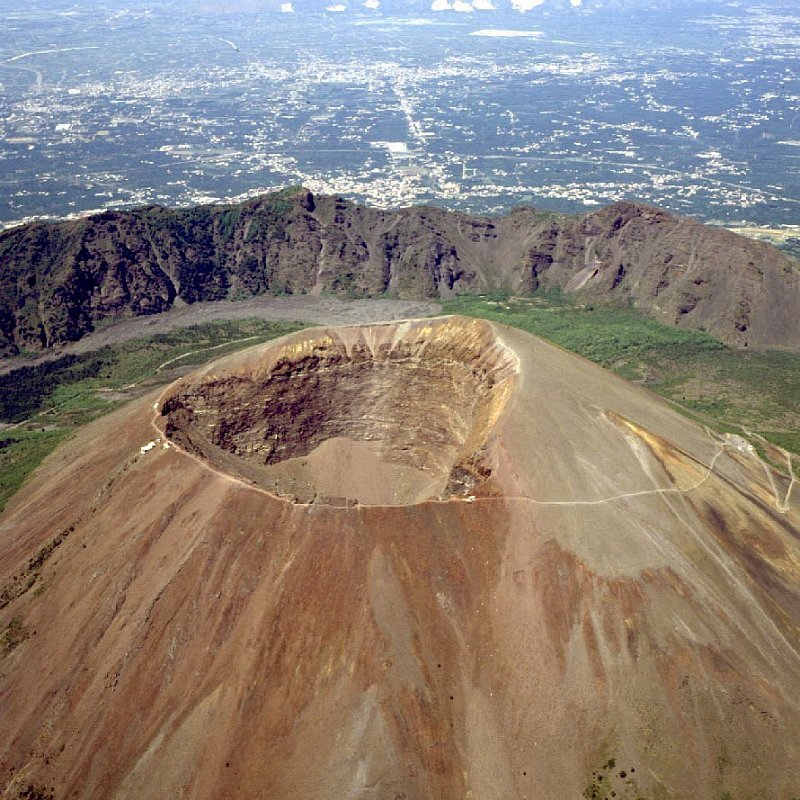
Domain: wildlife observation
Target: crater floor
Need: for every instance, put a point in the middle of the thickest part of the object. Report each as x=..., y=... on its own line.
x=387, y=414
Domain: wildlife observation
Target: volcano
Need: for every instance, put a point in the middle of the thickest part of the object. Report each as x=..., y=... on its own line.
x=428, y=559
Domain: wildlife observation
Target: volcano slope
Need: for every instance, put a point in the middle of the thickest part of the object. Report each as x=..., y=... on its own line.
x=424, y=559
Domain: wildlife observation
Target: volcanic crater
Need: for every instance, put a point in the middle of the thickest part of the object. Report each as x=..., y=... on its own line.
x=388, y=414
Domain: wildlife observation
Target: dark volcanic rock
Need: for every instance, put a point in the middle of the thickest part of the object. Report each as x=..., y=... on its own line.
x=58, y=280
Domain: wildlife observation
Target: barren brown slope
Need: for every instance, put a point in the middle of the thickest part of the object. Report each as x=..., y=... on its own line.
x=596, y=596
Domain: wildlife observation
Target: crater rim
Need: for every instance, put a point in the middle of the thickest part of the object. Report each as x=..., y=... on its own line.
x=384, y=414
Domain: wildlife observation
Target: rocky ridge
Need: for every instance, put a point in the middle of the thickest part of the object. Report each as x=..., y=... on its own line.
x=58, y=281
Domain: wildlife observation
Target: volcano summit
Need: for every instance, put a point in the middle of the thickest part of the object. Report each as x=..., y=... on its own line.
x=423, y=559
x=387, y=414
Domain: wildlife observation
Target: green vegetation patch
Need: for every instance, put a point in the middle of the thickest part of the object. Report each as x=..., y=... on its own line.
x=609, y=336
x=612, y=782
x=21, y=451
x=71, y=383
x=24, y=391
x=36, y=792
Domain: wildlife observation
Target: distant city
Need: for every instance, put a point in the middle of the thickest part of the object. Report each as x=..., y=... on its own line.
x=106, y=106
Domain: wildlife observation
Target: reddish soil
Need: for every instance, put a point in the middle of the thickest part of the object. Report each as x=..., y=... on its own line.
x=612, y=605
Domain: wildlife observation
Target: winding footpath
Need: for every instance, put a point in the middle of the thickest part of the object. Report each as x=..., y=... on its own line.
x=782, y=506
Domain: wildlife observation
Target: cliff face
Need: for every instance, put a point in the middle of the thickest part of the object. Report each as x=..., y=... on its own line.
x=58, y=280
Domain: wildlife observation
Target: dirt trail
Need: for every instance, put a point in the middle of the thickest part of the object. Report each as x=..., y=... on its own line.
x=186, y=355
x=709, y=471
x=782, y=505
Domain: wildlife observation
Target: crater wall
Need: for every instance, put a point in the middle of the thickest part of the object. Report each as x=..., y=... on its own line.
x=390, y=413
